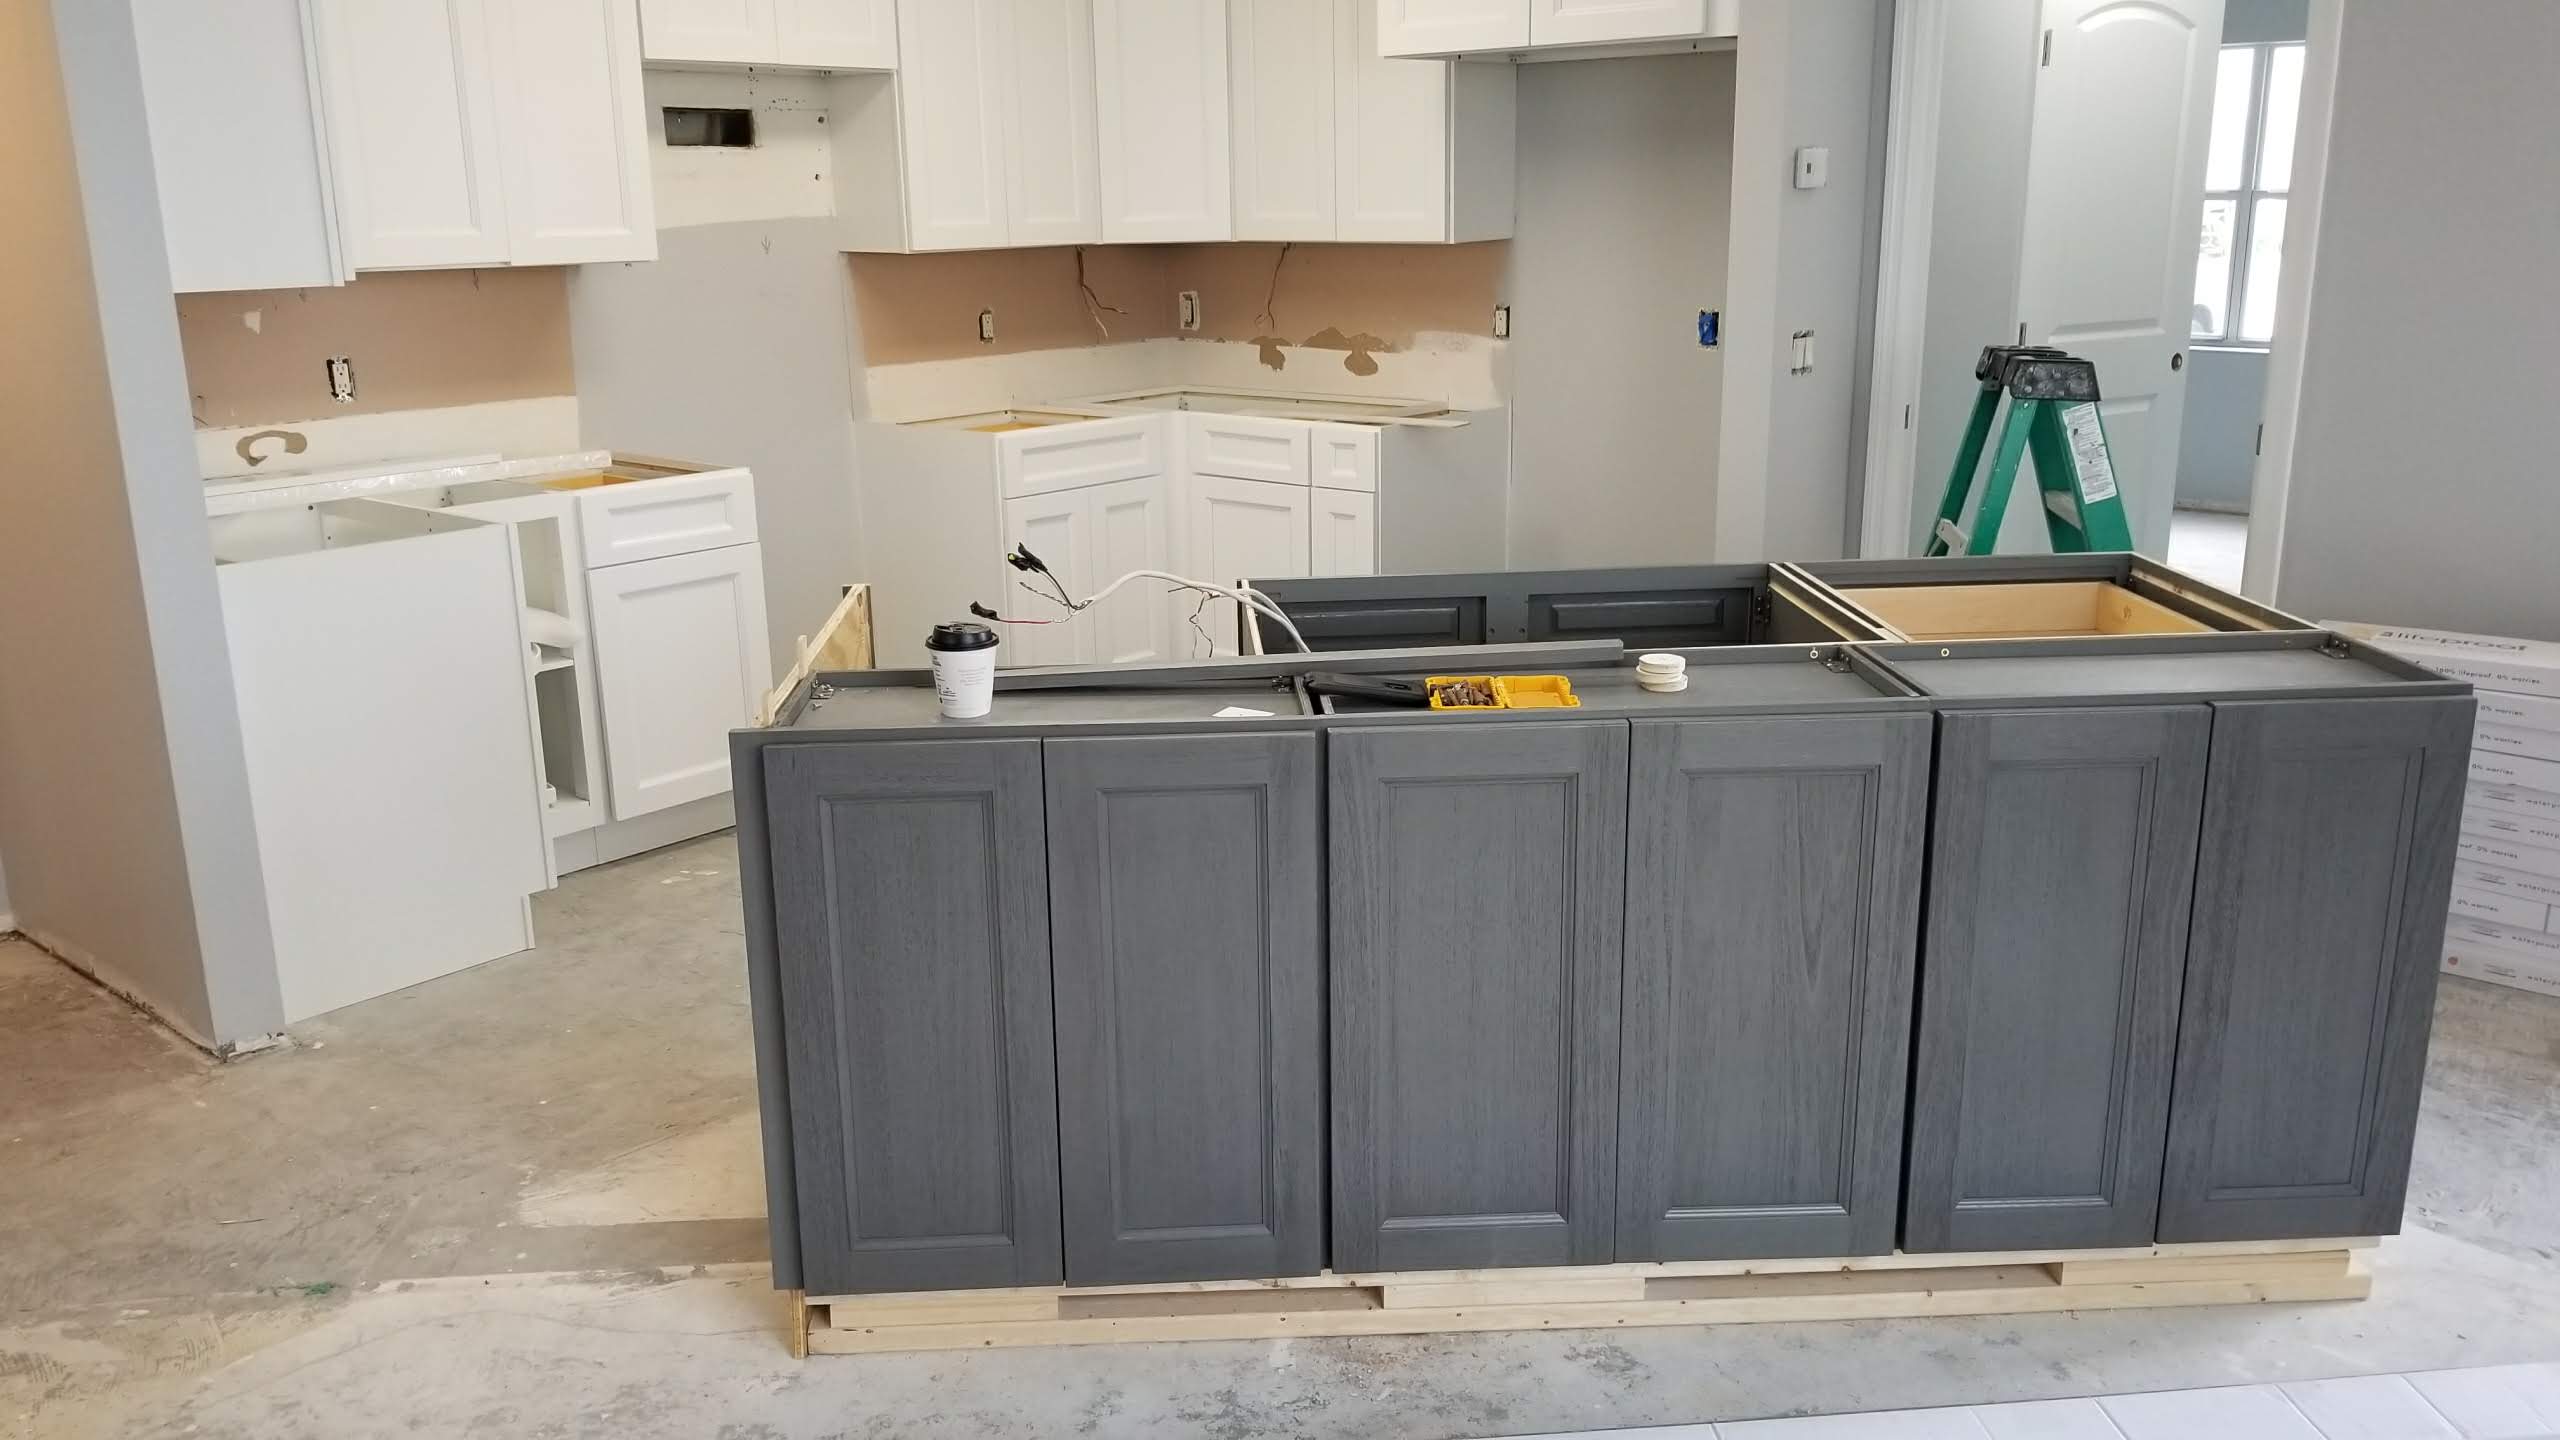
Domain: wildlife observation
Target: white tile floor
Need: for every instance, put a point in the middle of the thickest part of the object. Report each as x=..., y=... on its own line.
x=2512, y=1402
x=2209, y=545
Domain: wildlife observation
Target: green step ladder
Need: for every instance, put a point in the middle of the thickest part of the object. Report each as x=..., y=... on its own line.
x=2053, y=408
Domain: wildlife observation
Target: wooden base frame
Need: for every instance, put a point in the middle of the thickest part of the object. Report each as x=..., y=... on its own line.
x=1589, y=1297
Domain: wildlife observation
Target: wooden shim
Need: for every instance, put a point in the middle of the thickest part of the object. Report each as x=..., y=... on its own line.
x=1604, y=1297
x=802, y=1316
x=843, y=643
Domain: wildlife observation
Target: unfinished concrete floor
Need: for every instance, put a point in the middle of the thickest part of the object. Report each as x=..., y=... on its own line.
x=521, y=1201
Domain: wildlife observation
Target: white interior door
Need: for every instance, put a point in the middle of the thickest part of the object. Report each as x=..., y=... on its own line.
x=1240, y=530
x=2115, y=192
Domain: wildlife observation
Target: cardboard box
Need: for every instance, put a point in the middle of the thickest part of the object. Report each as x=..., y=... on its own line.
x=2521, y=830
x=2522, y=712
x=2492, y=662
x=2491, y=908
x=2498, y=966
x=2510, y=740
x=2489, y=767
x=2508, y=800
x=2507, y=882
x=2479, y=847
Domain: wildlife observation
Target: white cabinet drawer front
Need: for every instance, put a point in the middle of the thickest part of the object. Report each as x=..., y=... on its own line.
x=1246, y=447
x=1069, y=457
x=646, y=519
x=1345, y=456
x=681, y=659
x=1342, y=533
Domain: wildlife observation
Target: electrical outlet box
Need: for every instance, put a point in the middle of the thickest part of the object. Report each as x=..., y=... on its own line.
x=1188, y=312
x=342, y=379
x=1813, y=167
x=986, y=327
x=1800, y=353
x=1501, y=322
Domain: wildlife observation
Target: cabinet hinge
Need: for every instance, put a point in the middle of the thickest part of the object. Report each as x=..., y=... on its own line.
x=1762, y=612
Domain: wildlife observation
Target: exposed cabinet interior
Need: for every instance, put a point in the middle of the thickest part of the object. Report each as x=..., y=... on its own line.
x=1651, y=607
x=2049, y=609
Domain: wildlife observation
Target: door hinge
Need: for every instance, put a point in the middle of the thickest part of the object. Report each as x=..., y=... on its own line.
x=2047, y=58
x=1761, y=612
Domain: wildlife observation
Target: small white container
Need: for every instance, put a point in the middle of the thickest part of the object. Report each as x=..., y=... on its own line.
x=964, y=669
x=1663, y=674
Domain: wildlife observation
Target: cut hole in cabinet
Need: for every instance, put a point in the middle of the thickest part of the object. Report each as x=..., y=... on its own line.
x=2054, y=609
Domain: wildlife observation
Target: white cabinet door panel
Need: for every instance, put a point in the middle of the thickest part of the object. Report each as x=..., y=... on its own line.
x=1285, y=55
x=1052, y=178
x=952, y=72
x=1245, y=447
x=1444, y=27
x=1059, y=529
x=1160, y=78
x=1242, y=530
x=413, y=133
x=1345, y=456
x=1600, y=22
x=1090, y=452
x=1342, y=536
x=1391, y=145
x=836, y=34
x=681, y=660
x=1129, y=523
x=717, y=32
x=576, y=151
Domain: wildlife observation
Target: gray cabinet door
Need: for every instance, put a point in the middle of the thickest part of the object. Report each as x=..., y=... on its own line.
x=1477, y=881
x=1187, y=925
x=2329, y=837
x=912, y=917
x=2062, y=854
x=1773, y=900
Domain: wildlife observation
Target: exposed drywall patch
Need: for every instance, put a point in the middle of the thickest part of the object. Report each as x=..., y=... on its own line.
x=424, y=339
x=1360, y=355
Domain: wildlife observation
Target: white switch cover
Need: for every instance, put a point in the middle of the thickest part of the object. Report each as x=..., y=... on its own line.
x=1813, y=167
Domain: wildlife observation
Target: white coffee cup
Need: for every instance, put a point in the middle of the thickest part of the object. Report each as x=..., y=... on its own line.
x=964, y=669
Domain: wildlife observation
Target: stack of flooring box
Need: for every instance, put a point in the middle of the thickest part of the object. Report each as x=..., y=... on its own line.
x=2505, y=925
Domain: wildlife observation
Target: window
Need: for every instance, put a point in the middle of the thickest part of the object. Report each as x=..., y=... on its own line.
x=2257, y=95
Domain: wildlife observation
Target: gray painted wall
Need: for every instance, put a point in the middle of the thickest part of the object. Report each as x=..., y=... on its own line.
x=124, y=798
x=1625, y=175
x=733, y=345
x=2422, y=493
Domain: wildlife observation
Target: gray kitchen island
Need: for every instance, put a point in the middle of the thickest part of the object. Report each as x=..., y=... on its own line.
x=1176, y=977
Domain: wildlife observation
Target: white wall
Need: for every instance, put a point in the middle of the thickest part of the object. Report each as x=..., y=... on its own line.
x=124, y=802
x=1624, y=175
x=2422, y=487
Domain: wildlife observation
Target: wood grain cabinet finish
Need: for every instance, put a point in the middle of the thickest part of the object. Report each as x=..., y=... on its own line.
x=2062, y=855
x=1773, y=891
x=2327, y=865
x=912, y=920
x=1477, y=879
x=1186, y=923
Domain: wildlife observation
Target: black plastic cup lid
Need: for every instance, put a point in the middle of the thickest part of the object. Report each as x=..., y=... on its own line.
x=965, y=635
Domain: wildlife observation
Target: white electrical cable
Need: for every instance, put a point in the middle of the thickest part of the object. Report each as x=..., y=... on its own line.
x=1243, y=594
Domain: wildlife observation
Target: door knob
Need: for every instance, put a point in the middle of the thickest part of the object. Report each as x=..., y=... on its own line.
x=2178, y=360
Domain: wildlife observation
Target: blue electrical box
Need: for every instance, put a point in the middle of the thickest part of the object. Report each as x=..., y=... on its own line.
x=1707, y=322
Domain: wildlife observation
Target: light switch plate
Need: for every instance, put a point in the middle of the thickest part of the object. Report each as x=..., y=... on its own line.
x=1813, y=167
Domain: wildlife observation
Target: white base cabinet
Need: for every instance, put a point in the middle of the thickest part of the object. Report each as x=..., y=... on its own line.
x=1088, y=538
x=1342, y=533
x=681, y=660
x=1243, y=529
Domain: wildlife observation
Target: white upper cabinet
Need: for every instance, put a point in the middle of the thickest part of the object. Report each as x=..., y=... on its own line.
x=836, y=34
x=1333, y=142
x=576, y=150
x=486, y=132
x=1443, y=27
x=1053, y=184
x=1284, y=56
x=802, y=34
x=1606, y=22
x=951, y=107
x=1160, y=82
x=232, y=94
x=413, y=133
x=710, y=32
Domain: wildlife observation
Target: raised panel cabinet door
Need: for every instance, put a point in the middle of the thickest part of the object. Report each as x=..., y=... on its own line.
x=2062, y=852
x=911, y=919
x=1773, y=908
x=577, y=136
x=413, y=133
x=1160, y=78
x=1283, y=68
x=836, y=34
x=682, y=659
x=2330, y=829
x=1052, y=158
x=1589, y=22
x=1477, y=882
x=1241, y=530
x=1342, y=533
x=1059, y=529
x=954, y=62
x=1129, y=521
x=716, y=32
x=1391, y=143
x=1187, y=930
x=1447, y=27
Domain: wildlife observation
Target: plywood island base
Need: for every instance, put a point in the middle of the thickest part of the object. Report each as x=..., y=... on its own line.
x=1875, y=1287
